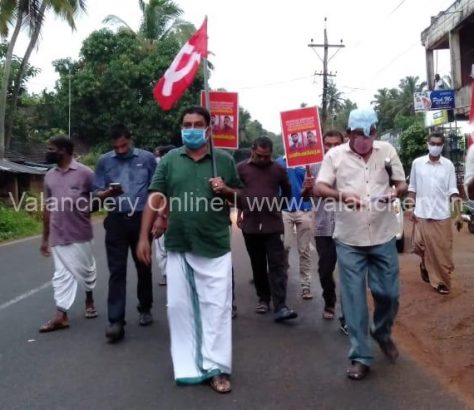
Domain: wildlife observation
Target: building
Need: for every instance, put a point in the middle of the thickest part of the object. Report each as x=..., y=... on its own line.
x=453, y=29
x=15, y=179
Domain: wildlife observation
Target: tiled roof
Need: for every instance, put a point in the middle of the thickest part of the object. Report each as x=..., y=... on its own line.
x=9, y=166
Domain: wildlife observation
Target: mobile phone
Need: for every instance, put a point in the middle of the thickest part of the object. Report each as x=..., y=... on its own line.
x=115, y=185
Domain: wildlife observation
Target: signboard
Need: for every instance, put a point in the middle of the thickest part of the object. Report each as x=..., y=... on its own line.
x=302, y=139
x=224, y=118
x=434, y=100
x=436, y=118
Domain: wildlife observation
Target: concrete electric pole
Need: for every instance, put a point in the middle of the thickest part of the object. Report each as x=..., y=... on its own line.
x=325, y=74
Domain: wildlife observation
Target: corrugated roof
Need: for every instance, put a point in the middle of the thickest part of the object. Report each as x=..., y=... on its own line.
x=8, y=166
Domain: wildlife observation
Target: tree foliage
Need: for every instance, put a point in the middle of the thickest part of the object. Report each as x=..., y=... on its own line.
x=412, y=144
x=394, y=103
x=113, y=81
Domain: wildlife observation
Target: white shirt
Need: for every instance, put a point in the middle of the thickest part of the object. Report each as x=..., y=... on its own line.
x=374, y=223
x=469, y=167
x=433, y=183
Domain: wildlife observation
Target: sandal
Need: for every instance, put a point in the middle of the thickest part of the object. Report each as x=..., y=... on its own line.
x=52, y=325
x=262, y=307
x=221, y=384
x=90, y=312
x=442, y=289
x=306, y=294
x=328, y=313
x=357, y=371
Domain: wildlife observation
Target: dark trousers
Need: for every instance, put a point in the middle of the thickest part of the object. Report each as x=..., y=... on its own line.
x=267, y=257
x=326, y=248
x=121, y=234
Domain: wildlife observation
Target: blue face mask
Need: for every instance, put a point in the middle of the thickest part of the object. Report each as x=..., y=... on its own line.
x=194, y=138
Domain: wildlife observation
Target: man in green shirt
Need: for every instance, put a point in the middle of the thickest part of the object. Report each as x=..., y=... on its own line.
x=191, y=205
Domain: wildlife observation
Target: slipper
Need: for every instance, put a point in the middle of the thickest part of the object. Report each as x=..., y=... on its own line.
x=442, y=289
x=262, y=307
x=52, y=325
x=90, y=312
x=221, y=384
x=328, y=313
x=306, y=294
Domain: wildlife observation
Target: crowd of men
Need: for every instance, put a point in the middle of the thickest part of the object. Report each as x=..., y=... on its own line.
x=345, y=204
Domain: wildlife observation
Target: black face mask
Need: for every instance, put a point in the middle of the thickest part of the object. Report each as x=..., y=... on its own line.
x=52, y=157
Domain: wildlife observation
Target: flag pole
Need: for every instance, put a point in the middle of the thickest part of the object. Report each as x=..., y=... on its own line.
x=208, y=107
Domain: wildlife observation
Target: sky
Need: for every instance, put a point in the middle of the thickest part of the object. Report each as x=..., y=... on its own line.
x=260, y=48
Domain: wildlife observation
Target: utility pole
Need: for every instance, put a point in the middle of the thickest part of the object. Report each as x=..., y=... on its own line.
x=325, y=74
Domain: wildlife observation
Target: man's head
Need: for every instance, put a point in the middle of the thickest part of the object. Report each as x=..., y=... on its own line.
x=121, y=139
x=331, y=139
x=294, y=138
x=227, y=122
x=164, y=150
x=310, y=137
x=262, y=150
x=437, y=77
x=195, y=127
x=435, y=144
x=59, y=148
x=213, y=120
x=362, y=124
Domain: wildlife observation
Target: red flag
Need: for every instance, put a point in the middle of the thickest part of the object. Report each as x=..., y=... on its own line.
x=182, y=70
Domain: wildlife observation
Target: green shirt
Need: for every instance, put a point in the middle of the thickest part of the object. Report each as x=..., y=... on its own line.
x=198, y=220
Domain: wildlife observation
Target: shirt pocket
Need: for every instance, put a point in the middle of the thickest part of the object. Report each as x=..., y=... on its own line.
x=139, y=175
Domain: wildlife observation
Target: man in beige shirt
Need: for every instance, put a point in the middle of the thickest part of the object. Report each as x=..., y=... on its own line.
x=363, y=176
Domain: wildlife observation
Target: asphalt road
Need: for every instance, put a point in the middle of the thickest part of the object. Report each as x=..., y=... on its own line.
x=276, y=366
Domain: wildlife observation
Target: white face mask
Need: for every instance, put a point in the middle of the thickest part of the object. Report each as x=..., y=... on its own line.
x=435, y=150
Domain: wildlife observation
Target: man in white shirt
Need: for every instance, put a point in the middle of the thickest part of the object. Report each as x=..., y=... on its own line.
x=469, y=173
x=438, y=83
x=365, y=227
x=432, y=190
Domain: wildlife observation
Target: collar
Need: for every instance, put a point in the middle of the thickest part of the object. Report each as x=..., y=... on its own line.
x=73, y=165
x=249, y=161
x=440, y=161
x=183, y=152
x=347, y=148
x=134, y=154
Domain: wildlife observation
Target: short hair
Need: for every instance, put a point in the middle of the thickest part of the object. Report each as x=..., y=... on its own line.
x=333, y=133
x=164, y=150
x=436, y=135
x=63, y=142
x=262, y=142
x=119, y=130
x=197, y=110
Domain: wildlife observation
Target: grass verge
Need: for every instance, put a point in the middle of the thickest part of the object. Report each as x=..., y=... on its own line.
x=17, y=224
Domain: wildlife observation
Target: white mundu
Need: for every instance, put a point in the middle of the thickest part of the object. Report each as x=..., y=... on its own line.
x=199, y=313
x=73, y=264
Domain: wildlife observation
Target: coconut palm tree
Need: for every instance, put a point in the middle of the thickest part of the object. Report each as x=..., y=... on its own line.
x=160, y=18
x=408, y=86
x=16, y=13
x=65, y=9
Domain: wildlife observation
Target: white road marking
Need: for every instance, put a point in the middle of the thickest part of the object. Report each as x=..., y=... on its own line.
x=14, y=242
x=24, y=295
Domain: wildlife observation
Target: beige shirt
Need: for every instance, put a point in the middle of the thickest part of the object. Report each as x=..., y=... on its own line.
x=374, y=223
x=469, y=167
